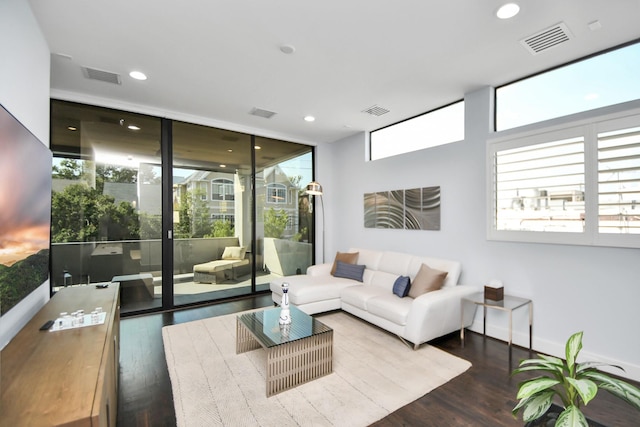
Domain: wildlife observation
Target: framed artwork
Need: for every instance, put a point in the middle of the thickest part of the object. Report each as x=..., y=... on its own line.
x=413, y=209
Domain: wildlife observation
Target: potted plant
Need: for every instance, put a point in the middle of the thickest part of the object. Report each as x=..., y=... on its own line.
x=574, y=383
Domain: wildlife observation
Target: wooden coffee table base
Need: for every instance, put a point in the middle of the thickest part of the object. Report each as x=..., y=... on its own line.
x=291, y=363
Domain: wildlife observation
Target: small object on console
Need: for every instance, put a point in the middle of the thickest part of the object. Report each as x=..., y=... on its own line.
x=47, y=325
x=494, y=291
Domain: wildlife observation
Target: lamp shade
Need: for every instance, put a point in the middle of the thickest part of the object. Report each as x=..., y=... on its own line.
x=314, y=188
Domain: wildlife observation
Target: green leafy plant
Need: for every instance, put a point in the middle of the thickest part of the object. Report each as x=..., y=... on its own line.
x=574, y=383
x=275, y=222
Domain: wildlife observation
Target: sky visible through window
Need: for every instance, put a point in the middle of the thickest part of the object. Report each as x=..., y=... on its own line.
x=607, y=79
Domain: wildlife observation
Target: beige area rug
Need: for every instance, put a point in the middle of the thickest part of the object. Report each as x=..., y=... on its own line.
x=373, y=375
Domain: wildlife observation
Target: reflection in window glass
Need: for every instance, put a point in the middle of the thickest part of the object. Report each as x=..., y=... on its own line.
x=284, y=225
x=607, y=79
x=437, y=127
x=106, y=201
x=276, y=193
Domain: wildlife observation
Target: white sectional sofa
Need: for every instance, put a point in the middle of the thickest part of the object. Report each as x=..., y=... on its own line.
x=416, y=320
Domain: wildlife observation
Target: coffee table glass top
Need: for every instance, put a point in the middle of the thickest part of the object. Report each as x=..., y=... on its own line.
x=265, y=328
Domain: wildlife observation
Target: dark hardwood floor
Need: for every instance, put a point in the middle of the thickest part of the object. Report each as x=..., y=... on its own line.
x=482, y=396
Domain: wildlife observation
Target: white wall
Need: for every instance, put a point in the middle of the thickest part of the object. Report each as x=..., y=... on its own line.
x=24, y=92
x=573, y=288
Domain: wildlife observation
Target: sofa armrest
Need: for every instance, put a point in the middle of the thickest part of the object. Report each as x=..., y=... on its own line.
x=436, y=313
x=320, y=269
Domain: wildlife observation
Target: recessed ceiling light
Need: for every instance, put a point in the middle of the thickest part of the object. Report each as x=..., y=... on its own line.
x=508, y=10
x=138, y=75
x=223, y=166
x=257, y=147
x=72, y=128
x=133, y=127
x=309, y=118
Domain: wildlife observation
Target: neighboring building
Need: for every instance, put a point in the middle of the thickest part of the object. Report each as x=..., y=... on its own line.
x=221, y=195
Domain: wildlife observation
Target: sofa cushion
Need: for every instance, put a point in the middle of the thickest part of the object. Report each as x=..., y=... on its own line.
x=234, y=252
x=390, y=307
x=401, y=286
x=453, y=268
x=381, y=279
x=308, y=289
x=358, y=295
x=427, y=280
x=349, y=271
x=368, y=257
x=346, y=257
x=395, y=262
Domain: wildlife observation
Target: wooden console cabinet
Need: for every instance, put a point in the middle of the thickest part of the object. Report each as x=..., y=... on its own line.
x=67, y=377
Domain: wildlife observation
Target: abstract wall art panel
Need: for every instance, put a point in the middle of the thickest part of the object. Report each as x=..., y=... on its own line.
x=413, y=209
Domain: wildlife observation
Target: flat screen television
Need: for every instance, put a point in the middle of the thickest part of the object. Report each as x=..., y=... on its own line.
x=25, y=211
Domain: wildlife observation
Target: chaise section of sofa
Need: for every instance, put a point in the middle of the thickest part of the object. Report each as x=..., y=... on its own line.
x=414, y=319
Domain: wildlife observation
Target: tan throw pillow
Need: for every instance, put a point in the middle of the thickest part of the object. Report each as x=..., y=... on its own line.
x=346, y=257
x=427, y=280
x=234, y=252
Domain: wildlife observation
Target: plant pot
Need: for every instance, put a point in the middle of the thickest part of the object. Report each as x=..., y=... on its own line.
x=550, y=417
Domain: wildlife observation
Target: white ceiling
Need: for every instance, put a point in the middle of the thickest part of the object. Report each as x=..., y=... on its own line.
x=212, y=61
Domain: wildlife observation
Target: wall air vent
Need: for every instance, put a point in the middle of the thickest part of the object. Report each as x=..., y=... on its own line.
x=546, y=39
x=103, y=76
x=375, y=110
x=262, y=113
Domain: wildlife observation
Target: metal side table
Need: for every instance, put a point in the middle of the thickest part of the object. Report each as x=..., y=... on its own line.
x=508, y=304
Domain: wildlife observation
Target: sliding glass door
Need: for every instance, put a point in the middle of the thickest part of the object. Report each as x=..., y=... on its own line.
x=212, y=220
x=177, y=213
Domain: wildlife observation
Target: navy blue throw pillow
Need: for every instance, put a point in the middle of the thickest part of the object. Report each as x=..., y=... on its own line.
x=349, y=271
x=401, y=286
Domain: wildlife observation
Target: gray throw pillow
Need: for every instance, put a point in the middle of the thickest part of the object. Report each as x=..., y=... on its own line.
x=349, y=271
x=401, y=286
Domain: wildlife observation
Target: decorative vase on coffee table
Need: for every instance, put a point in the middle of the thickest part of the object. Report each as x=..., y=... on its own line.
x=285, y=316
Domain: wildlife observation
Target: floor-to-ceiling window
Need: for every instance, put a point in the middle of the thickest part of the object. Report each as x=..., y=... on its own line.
x=106, y=201
x=283, y=215
x=234, y=212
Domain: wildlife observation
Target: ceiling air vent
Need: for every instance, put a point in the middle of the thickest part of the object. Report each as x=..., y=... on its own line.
x=262, y=113
x=375, y=110
x=103, y=76
x=546, y=39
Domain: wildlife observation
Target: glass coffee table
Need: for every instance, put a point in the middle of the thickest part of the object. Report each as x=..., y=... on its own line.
x=296, y=353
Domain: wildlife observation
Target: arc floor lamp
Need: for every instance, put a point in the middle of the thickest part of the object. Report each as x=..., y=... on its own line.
x=315, y=189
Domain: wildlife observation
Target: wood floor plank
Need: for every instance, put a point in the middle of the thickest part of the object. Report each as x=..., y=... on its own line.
x=482, y=396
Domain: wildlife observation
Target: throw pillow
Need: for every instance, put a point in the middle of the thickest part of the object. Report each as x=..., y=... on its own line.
x=234, y=252
x=346, y=257
x=349, y=271
x=401, y=286
x=427, y=280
